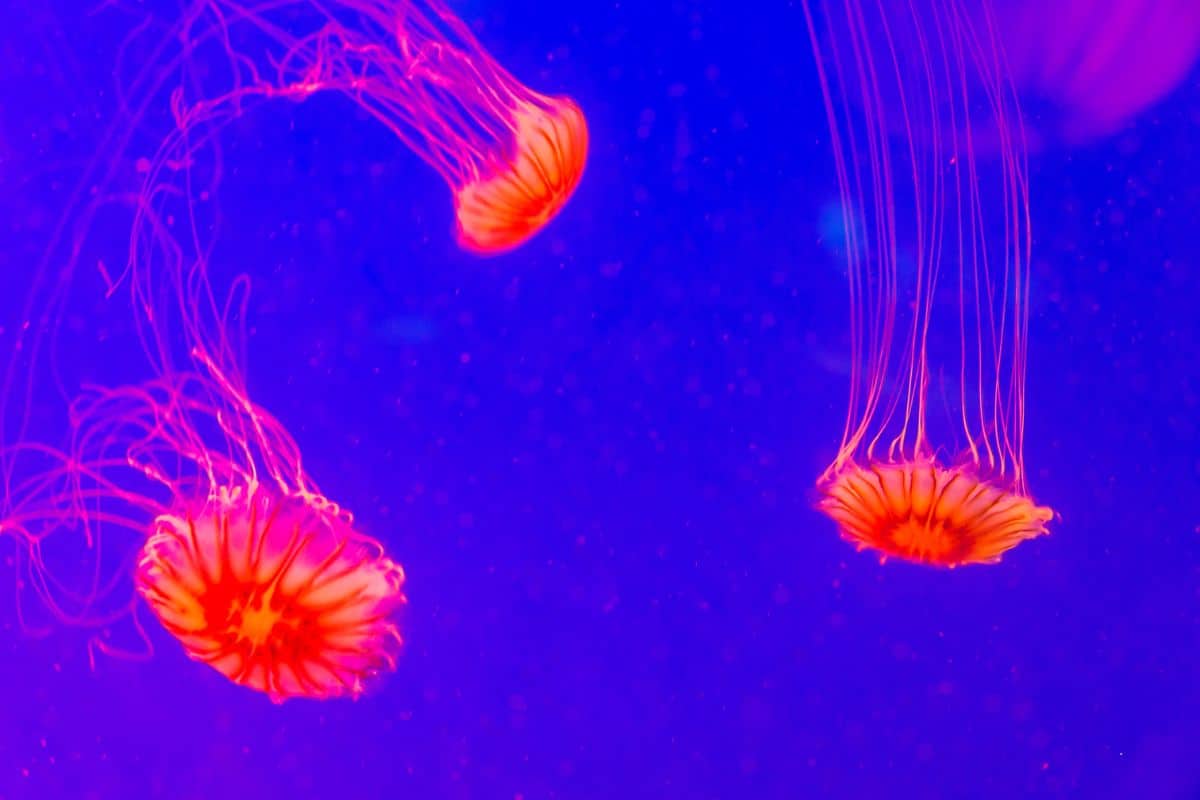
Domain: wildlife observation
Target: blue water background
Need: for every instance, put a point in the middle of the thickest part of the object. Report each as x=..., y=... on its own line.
x=594, y=456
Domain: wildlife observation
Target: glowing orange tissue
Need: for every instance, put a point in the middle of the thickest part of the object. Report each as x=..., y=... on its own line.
x=503, y=209
x=273, y=594
x=925, y=512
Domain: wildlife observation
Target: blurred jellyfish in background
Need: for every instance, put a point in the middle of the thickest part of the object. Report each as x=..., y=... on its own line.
x=1086, y=68
x=1081, y=69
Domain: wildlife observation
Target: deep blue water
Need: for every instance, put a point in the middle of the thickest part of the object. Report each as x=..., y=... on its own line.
x=594, y=456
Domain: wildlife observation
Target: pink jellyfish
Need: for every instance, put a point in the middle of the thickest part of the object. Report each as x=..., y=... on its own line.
x=1087, y=67
x=1079, y=72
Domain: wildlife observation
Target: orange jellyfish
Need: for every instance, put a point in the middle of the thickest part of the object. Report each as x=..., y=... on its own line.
x=241, y=558
x=931, y=463
x=511, y=156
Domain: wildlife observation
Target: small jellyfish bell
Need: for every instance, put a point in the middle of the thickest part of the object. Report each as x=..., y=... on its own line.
x=236, y=552
x=515, y=198
x=511, y=156
x=937, y=248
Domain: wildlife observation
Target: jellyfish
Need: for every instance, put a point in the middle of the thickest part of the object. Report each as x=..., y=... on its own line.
x=1081, y=73
x=1094, y=65
x=930, y=467
x=511, y=156
x=238, y=555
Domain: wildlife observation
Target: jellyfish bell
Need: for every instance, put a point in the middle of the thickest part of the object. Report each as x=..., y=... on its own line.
x=937, y=346
x=522, y=192
x=274, y=593
x=922, y=511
